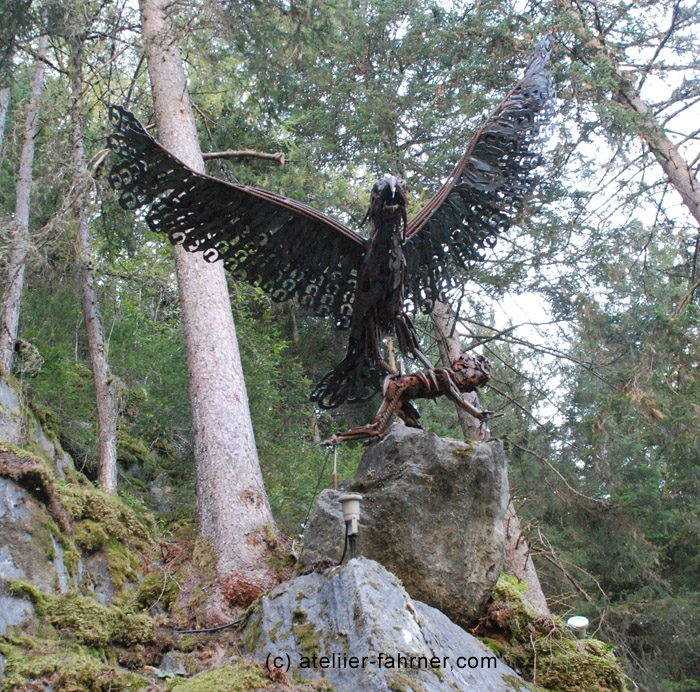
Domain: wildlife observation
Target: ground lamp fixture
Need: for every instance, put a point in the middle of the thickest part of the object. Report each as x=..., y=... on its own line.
x=351, y=515
x=578, y=624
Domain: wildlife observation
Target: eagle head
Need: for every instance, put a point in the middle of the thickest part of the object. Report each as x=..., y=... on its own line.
x=387, y=201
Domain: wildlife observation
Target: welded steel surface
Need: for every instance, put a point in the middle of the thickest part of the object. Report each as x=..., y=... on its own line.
x=369, y=286
x=466, y=374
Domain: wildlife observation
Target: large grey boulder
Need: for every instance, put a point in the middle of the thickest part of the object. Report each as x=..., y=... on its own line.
x=432, y=513
x=357, y=627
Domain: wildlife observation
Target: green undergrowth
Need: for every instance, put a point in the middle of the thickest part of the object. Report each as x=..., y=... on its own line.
x=543, y=650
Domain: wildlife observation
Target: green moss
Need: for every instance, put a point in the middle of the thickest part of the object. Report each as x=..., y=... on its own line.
x=270, y=534
x=17, y=451
x=85, y=618
x=51, y=423
x=280, y=559
x=520, y=614
x=513, y=682
x=90, y=535
x=114, y=517
x=253, y=633
x=71, y=557
x=41, y=601
x=239, y=677
x=36, y=664
x=545, y=651
x=157, y=587
x=96, y=625
x=129, y=629
x=581, y=666
x=132, y=450
x=186, y=643
x=201, y=577
x=306, y=635
x=273, y=631
x=122, y=563
x=497, y=647
x=399, y=682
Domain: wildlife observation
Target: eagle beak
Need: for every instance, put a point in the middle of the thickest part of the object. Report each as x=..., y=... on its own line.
x=392, y=185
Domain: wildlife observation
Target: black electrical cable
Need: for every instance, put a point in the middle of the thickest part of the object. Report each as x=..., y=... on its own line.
x=313, y=497
x=212, y=629
x=345, y=547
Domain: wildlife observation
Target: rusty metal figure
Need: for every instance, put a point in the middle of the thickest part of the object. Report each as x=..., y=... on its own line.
x=367, y=285
x=466, y=374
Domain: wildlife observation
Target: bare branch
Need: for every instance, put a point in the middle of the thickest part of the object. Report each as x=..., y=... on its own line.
x=549, y=465
x=244, y=154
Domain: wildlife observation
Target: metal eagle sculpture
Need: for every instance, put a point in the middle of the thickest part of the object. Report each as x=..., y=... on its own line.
x=367, y=285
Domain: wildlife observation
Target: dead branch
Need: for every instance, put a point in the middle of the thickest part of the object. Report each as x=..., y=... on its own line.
x=244, y=154
x=549, y=465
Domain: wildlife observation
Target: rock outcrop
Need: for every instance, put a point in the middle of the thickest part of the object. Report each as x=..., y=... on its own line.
x=357, y=627
x=432, y=513
x=20, y=427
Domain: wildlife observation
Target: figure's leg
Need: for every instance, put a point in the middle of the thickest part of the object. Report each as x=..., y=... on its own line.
x=409, y=341
x=393, y=389
x=409, y=414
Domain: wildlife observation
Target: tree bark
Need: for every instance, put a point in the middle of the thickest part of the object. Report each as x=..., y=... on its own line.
x=4, y=107
x=105, y=398
x=232, y=506
x=14, y=287
x=450, y=348
x=518, y=560
x=666, y=153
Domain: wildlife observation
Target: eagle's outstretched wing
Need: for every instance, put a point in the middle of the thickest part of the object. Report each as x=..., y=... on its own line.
x=287, y=248
x=485, y=191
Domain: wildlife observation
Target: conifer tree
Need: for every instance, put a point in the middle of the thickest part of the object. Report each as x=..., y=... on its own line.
x=14, y=286
x=232, y=507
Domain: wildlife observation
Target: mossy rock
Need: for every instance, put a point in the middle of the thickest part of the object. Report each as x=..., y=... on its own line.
x=307, y=636
x=87, y=620
x=35, y=664
x=157, y=587
x=33, y=475
x=96, y=625
x=90, y=536
x=123, y=564
x=114, y=517
x=544, y=650
x=239, y=677
x=40, y=600
x=581, y=666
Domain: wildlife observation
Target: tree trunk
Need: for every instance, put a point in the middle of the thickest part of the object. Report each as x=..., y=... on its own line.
x=12, y=297
x=665, y=152
x=232, y=507
x=104, y=390
x=518, y=561
x=450, y=348
x=4, y=107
